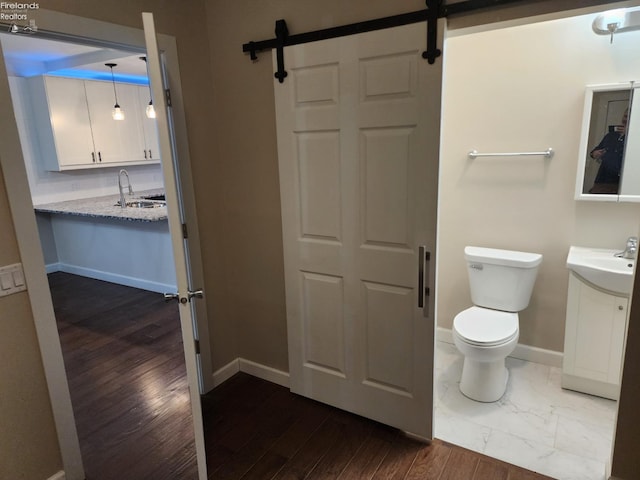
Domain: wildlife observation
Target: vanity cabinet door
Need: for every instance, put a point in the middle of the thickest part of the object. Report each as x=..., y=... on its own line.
x=115, y=141
x=62, y=119
x=594, y=339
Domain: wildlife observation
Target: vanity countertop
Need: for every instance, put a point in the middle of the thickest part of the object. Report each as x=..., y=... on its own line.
x=105, y=207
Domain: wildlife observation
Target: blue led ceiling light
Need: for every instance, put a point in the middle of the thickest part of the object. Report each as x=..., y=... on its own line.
x=93, y=75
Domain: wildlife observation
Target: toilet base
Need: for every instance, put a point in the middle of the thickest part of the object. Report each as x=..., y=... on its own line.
x=484, y=381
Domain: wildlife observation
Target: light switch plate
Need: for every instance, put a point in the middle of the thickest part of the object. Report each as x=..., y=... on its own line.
x=12, y=279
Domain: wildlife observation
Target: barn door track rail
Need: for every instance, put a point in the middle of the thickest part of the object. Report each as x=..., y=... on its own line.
x=435, y=9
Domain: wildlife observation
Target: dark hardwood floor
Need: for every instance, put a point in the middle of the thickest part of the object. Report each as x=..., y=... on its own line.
x=123, y=352
x=258, y=430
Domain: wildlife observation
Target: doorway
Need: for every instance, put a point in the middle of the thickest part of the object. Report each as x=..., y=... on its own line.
x=95, y=370
x=33, y=261
x=525, y=204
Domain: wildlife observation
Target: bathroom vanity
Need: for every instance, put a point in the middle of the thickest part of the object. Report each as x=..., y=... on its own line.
x=596, y=321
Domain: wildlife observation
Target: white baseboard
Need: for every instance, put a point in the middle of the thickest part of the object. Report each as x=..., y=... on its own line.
x=225, y=373
x=112, y=277
x=52, y=267
x=58, y=476
x=522, y=352
x=269, y=374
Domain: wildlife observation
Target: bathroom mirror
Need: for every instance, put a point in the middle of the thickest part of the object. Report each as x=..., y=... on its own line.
x=609, y=162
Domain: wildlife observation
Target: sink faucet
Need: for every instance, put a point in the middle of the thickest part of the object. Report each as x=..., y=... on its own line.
x=630, y=250
x=123, y=203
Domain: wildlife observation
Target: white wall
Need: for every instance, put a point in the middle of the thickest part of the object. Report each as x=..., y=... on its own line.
x=522, y=89
x=137, y=254
x=48, y=186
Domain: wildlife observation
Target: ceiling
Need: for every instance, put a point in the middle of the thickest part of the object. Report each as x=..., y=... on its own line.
x=27, y=56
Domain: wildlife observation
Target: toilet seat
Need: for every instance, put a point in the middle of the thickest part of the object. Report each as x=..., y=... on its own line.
x=484, y=327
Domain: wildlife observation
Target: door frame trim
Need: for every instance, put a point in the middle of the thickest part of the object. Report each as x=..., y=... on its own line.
x=24, y=222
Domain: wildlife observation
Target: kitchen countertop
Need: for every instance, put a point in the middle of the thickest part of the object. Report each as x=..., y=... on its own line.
x=105, y=207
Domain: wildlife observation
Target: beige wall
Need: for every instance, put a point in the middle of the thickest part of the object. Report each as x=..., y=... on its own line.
x=502, y=95
x=28, y=441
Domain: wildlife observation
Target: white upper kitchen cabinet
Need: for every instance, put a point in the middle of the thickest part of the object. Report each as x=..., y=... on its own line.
x=62, y=120
x=76, y=129
x=115, y=141
x=152, y=146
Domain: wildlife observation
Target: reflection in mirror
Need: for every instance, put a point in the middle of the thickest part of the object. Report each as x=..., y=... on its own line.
x=607, y=138
x=602, y=165
x=630, y=183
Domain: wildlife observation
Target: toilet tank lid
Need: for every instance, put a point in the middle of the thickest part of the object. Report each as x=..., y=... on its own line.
x=510, y=258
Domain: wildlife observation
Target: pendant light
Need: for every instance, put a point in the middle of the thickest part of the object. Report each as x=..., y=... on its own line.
x=117, y=112
x=150, y=111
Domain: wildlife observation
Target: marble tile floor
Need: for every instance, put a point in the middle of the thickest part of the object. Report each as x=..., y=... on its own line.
x=536, y=424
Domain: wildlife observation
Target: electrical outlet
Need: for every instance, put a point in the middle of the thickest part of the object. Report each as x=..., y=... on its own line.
x=12, y=279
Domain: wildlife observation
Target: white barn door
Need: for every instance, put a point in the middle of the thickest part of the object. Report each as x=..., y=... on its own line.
x=358, y=132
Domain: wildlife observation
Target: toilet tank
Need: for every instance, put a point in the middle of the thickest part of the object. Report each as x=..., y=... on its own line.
x=501, y=279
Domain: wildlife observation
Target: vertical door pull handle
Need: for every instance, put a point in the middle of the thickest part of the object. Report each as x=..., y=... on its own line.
x=424, y=267
x=427, y=275
x=421, y=250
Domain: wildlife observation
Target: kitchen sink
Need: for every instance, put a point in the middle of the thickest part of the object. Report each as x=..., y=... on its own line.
x=144, y=204
x=155, y=197
x=602, y=268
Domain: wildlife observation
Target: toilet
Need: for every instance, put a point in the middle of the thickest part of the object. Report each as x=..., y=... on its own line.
x=501, y=283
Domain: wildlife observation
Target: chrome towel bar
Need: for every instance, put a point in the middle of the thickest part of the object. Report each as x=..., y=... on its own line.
x=473, y=154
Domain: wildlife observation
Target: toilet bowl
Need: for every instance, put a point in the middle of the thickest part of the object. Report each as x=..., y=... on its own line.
x=485, y=337
x=501, y=283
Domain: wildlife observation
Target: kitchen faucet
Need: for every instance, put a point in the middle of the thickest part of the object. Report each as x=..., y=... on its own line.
x=123, y=203
x=630, y=250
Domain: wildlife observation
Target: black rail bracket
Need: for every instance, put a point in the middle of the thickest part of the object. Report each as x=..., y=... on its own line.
x=433, y=13
x=252, y=51
x=282, y=32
